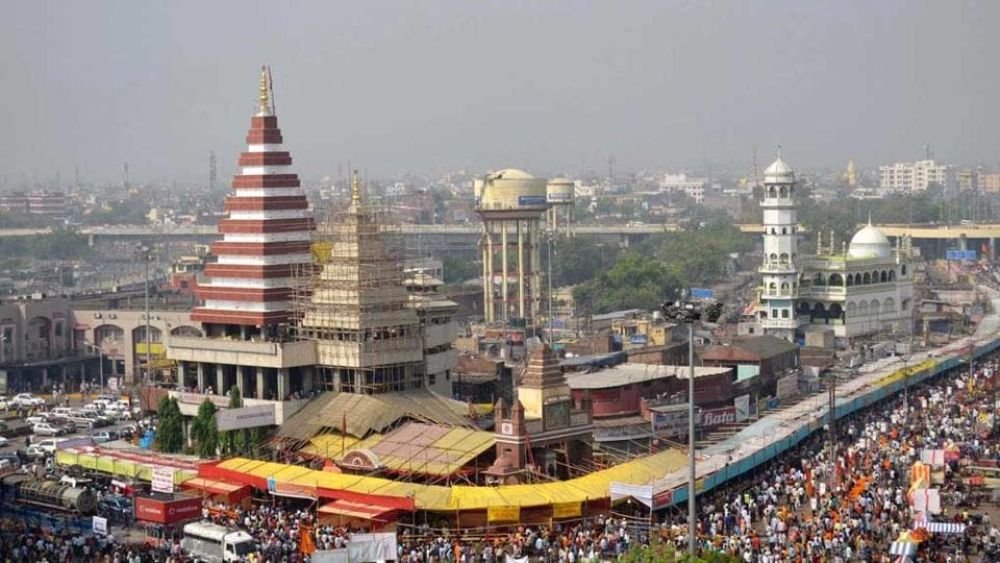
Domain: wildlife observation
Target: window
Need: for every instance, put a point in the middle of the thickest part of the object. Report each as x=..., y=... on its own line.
x=784, y=313
x=58, y=329
x=447, y=375
x=431, y=378
x=902, y=270
x=774, y=313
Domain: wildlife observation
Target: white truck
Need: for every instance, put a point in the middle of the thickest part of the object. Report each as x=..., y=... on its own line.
x=215, y=543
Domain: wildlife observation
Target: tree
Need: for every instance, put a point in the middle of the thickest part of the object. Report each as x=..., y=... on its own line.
x=230, y=439
x=659, y=551
x=170, y=430
x=634, y=282
x=205, y=431
x=458, y=270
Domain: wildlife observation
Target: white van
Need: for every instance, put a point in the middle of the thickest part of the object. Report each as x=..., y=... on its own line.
x=212, y=542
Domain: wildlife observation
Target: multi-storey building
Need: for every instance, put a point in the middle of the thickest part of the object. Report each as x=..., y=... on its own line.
x=910, y=177
x=776, y=311
x=247, y=301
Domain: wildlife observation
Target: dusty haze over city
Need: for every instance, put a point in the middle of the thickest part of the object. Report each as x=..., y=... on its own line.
x=553, y=86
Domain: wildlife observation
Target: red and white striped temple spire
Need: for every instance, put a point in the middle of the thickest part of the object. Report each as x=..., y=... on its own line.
x=266, y=235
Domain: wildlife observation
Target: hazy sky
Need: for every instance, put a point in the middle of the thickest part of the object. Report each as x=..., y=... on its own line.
x=549, y=86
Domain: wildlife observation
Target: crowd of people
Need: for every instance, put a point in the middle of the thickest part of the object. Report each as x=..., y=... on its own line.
x=853, y=503
x=815, y=504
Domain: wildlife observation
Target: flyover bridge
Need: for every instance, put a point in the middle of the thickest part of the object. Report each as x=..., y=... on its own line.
x=932, y=239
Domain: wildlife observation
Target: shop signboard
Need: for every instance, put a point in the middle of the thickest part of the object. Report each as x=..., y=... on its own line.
x=163, y=479
x=716, y=417
x=245, y=417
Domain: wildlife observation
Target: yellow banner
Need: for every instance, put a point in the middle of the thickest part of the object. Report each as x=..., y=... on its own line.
x=567, y=509
x=699, y=485
x=503, y=514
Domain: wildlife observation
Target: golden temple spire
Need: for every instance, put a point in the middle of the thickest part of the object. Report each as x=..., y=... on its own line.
x=264, y=98
x=355, y=189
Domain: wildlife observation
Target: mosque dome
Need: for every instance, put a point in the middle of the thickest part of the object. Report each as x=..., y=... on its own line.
x=869, y=242
x=779, y=172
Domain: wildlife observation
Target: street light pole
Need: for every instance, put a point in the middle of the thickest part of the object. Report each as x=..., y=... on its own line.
x=100, y=358
x=690, y=312
x=692, y=517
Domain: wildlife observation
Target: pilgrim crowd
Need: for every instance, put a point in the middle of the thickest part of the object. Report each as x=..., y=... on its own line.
x=811, y=505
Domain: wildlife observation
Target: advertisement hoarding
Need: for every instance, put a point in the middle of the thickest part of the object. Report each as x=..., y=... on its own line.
x=167, y=511
x=246, y=417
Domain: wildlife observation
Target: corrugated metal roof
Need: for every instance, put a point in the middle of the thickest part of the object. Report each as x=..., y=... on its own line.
x=364, y=414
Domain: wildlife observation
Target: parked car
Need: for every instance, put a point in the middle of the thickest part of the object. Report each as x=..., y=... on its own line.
x=66, y=424
x=4, y=442
x=4, y=402
x=26, y=400
x=33, y=420
x=12, y=429
x=11, y=460
x=35, y=451
x=47, y=429
x=101, y=437
x=48, y=445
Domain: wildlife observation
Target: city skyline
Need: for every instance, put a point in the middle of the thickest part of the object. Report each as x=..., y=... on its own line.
x=396, y=88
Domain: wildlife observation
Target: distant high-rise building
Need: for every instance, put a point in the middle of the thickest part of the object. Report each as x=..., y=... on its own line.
x=912, y=177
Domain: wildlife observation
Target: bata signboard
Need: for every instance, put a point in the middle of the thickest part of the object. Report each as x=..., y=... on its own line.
x=167, y=511
x=716, y=417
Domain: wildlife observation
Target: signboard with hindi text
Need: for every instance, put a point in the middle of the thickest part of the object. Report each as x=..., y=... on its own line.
x=503, y=513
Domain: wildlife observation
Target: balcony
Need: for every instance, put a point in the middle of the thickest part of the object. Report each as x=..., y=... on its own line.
x=829, y=292
x=777, y=268
x=241, y=352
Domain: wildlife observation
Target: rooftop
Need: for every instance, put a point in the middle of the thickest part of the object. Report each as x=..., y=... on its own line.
x=626, y=374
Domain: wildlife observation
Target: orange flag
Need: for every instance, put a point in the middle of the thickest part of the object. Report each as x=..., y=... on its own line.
x=307, y=544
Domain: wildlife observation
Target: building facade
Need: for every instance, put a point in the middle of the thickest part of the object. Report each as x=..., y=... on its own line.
x=861, y=288
x=911, y=177
x=247, y=306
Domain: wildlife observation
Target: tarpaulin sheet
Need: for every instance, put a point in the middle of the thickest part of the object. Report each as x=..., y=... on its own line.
x=594, y=486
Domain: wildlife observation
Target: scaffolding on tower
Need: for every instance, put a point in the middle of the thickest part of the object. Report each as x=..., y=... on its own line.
x=353, y=303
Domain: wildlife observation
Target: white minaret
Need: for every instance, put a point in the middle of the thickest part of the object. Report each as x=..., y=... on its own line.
x=779, y=275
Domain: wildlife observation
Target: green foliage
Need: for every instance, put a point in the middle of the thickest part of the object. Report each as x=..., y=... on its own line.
x=170, y=430
x=457, y=270
x=204, y=430
x=59, y=244
x=578, y=259
x=659, y=551
x=656, y=269
x=231, y=440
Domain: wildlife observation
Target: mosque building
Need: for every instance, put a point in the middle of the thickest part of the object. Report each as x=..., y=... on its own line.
x=858, y=289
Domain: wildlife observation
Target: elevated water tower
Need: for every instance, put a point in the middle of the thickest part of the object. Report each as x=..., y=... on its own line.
x=511, y=204
x=561, y=196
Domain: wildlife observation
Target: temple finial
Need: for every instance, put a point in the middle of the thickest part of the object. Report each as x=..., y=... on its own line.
x=355, y=189
x=264, y=97
x=869, y=217
x=779, y=152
